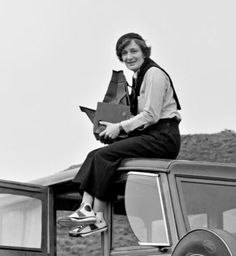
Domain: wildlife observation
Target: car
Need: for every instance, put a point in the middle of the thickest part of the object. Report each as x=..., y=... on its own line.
x=162, y=207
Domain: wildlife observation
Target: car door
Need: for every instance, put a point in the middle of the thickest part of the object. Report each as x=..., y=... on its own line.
x=23, y=219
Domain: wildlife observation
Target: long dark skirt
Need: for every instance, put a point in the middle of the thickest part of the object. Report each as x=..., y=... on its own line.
x=161, y=140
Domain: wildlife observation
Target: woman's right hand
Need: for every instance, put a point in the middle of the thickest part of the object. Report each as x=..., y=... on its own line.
x=111, y=131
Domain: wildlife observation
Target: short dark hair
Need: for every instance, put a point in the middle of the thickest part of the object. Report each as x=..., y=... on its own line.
x=125, y=40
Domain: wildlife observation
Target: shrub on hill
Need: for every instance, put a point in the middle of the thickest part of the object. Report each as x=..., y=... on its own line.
x=218, y=147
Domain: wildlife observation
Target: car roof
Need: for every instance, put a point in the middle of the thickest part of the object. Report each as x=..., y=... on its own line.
x=126, y=165
x=145, y=165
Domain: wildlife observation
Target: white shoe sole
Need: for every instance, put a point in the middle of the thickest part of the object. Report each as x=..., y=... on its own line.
x=71, y=222
x=93, y=232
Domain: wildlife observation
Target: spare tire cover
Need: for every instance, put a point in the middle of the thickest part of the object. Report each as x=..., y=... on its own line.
x=205, y=242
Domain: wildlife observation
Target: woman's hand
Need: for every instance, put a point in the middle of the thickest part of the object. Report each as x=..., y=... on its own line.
x=111, y=131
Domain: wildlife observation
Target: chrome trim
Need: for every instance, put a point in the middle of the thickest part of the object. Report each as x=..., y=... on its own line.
x=143, y=174
x=163, y=212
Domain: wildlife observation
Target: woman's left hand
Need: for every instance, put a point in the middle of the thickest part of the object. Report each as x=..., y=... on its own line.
x=111, y=131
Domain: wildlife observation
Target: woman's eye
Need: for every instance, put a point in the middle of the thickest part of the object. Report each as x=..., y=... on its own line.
x=133, y=51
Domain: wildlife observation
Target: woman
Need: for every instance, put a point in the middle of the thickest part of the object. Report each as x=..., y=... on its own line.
x=152, y=132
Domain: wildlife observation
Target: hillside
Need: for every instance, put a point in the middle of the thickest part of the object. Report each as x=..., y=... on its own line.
x=218, y=147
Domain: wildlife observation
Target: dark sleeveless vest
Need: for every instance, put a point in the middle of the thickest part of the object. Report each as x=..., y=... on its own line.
x=148, y=63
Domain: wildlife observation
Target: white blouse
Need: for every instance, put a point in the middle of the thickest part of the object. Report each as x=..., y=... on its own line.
x=155, y=101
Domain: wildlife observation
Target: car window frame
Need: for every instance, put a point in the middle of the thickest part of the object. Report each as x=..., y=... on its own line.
x=200, y=180
x=32, y=191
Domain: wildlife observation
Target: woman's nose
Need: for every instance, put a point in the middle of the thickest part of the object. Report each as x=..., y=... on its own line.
x=129, y=56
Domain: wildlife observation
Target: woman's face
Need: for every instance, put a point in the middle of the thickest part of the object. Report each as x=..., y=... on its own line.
x=132, y=56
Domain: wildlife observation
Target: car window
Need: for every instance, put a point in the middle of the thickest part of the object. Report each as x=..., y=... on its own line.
x=210, y=204
x=20, y=221
x=145, y=209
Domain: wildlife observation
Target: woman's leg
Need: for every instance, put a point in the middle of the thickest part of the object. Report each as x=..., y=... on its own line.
x=99, y=209
x=97, y=172
x=99, y=205
x=87, y=198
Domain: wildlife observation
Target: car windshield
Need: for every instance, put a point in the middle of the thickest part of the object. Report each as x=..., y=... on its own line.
x=144, y=208
x=209, y=204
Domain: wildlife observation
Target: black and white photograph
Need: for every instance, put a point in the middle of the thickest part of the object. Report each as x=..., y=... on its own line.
x=118, y=128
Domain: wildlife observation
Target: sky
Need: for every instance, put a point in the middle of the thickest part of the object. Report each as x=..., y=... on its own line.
x=58, y=54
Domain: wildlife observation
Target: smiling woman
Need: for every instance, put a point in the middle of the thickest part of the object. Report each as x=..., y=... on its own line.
x=132, y=51
x=152, y=131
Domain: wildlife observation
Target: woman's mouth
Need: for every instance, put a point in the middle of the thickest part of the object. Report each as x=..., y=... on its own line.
x=131, y=63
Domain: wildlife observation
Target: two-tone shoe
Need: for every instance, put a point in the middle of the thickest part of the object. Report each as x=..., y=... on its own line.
x=84, y=215
x=86, y=230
